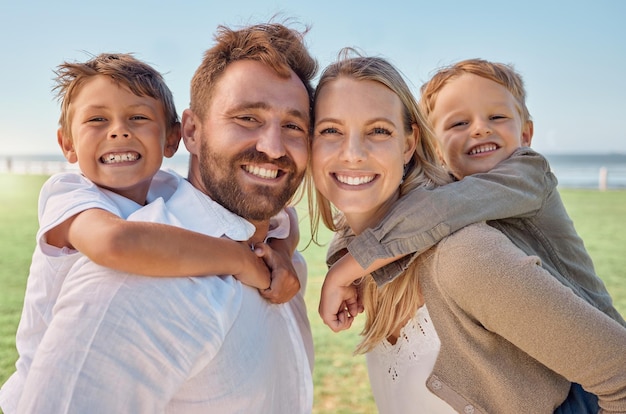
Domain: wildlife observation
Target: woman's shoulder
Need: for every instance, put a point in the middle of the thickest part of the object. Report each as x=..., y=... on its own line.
x=475, y=236
x=479, y=251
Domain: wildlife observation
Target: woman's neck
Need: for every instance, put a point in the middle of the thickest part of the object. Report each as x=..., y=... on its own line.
x=359, y=222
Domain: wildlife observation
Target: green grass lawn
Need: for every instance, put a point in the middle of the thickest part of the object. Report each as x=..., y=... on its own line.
x=341, y=383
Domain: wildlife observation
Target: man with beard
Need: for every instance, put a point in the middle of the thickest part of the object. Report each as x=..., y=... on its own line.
x=125, y=343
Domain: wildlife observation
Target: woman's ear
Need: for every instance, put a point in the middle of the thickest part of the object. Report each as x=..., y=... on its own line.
x=172, y=141
x=527, y=133
x=412, y=140
x=67, y=147
x=189, y=128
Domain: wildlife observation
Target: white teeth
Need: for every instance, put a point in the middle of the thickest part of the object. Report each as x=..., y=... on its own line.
x=483, y=148
x=261, y=172
x=113, y=158
x=354, y=180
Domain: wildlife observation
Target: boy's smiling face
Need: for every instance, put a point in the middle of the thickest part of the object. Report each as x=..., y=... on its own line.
x=478, y=124
x=117, y=137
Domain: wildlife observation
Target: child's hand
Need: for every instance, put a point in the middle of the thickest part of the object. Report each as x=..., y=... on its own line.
x=284, y=279
x=339, y=303
x=254, y=271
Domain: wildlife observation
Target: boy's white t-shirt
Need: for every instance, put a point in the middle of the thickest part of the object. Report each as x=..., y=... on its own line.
x=62, y=196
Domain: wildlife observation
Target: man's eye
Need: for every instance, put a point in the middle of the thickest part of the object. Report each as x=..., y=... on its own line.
x=246, y=118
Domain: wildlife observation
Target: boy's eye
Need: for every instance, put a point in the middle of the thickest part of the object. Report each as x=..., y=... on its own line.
x=494, y=117
x=458, y=124
x=138, y=117
x=96, y=119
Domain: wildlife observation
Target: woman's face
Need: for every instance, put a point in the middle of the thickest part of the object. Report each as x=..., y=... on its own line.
x=360, y=147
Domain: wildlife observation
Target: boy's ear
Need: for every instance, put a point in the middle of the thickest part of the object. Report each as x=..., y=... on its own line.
x=171, y=141
x=527, y=133
x=411, y=143
x=189, y=128
x=67, y=147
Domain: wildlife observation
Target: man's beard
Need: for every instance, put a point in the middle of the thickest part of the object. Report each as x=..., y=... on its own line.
x=220, y=178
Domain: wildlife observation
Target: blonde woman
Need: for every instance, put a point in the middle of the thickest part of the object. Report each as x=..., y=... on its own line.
x=465, y=327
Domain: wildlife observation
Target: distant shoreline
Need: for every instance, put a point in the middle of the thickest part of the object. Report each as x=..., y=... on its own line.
x=572, y=170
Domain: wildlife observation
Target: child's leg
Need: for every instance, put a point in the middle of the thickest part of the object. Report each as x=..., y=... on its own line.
x=578, y=401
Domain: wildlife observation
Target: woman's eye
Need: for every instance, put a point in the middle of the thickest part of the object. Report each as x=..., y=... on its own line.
x=381, y=131
x=327, y=131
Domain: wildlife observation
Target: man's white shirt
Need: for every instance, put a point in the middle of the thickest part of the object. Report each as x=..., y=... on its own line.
x=125, y=343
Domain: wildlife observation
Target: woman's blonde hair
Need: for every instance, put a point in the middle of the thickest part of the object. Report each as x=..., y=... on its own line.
x=389, y=307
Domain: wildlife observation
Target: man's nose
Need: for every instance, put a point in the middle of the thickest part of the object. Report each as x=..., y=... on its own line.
x=270, y=141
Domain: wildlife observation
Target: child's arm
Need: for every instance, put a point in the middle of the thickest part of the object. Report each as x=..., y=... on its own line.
x=154, y=249
x=517, y=187
x=285, y=283
x=339, y=299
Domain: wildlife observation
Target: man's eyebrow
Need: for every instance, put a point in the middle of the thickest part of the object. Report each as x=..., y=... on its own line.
x=251, y=105
x=244, y=106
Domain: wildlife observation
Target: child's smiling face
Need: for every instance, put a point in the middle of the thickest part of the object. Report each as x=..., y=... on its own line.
x=478, y=124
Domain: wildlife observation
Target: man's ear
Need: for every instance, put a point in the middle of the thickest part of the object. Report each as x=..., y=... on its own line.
x=527, y=133
x=67, y=147
x=190, y=127
x=172, y=141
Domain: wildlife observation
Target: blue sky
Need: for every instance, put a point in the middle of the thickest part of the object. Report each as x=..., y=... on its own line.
x=572, y=54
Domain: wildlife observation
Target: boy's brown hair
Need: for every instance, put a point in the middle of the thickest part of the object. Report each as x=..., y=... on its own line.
x=500, y=73
x=124, y=69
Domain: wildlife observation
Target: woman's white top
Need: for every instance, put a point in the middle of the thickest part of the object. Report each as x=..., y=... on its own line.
x=398, y=372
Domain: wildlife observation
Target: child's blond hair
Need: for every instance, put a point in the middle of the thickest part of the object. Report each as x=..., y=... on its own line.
x=500, y=73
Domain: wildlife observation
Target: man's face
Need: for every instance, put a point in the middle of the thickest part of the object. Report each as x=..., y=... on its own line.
x=252, y=144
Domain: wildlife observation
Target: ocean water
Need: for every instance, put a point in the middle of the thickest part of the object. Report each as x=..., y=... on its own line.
x=572, y=170
x=584, y=171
